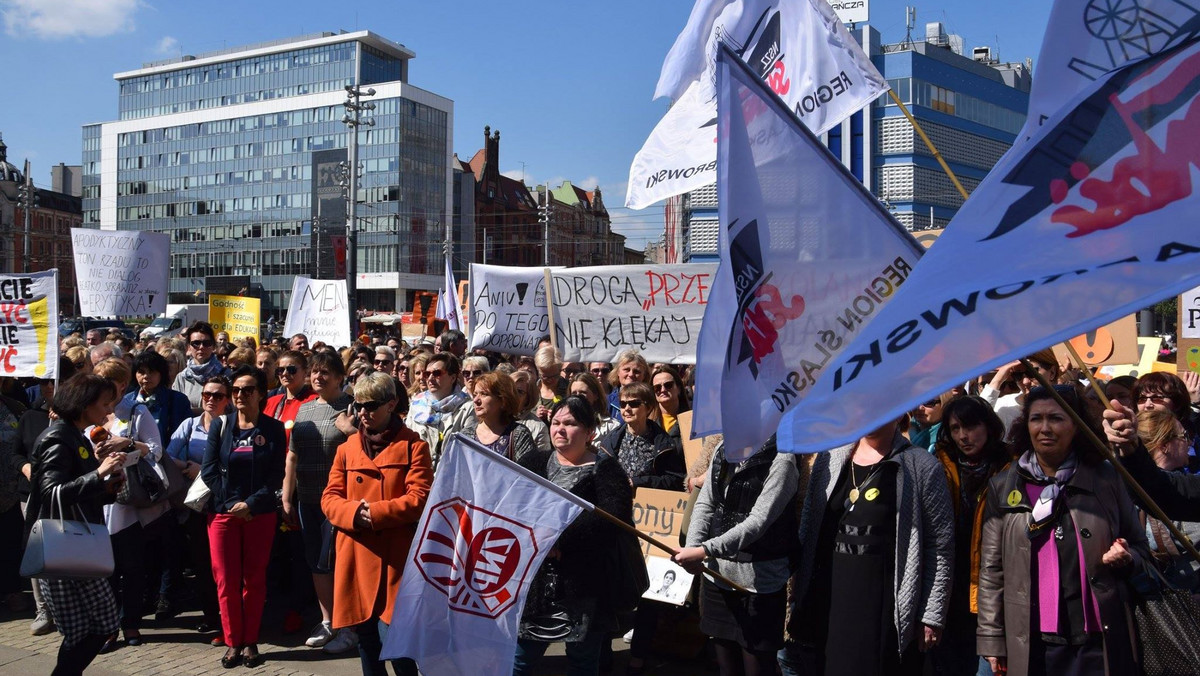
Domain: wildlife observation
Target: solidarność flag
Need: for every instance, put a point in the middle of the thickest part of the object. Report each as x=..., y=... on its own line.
x=1092, y=218
x=487, y=527
x=447, y=307
x=808, y=256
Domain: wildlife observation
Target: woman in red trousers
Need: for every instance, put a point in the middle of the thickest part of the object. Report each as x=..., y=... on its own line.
x=243, y=467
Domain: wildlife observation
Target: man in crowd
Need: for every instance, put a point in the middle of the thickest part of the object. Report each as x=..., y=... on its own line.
x=95, y=337
x=299, y=342
x=101, y=351
x=454, y=342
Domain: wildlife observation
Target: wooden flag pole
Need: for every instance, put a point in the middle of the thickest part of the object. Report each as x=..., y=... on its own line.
x=928, y=144
x=550, y=310
x=664, y=547
x=1147, y=502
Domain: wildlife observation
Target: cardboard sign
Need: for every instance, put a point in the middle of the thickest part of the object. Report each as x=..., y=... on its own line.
x=1187, y=354
x=659, y=514
x=692, y=448
x=602, y=311
x=120, y=273
x=1147, y=355
x=1111, y=344
x=29, y=325
x=236, y=315
x=507, y=310
x=318, y=309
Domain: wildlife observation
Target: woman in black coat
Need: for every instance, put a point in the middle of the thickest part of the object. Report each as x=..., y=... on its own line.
x=85, y=478
x=649, y=456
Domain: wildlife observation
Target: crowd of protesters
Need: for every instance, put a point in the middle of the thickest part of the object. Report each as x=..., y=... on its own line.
x=979, y=534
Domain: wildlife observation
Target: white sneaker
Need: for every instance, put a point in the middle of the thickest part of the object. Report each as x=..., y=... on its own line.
x=345, y=640
x=321, y=635
x=42, y=624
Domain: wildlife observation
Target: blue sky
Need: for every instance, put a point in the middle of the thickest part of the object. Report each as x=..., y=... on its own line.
x=567, y=84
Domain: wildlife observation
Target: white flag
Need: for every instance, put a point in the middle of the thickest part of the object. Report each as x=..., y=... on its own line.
x=448, y=302
x=798, y=47
x=1085, y=39
x=808, y=256
x=487, y=527
x=1090, y=220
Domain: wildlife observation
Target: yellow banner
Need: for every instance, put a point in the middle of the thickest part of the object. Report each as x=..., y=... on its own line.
x=236, y=315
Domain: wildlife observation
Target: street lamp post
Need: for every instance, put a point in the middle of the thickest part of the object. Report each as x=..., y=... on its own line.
x=353, y=120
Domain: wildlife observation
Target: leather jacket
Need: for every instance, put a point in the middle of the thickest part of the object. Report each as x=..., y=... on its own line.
x=64, y=458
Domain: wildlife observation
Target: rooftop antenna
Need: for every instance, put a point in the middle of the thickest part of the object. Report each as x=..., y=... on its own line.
x=910, y=22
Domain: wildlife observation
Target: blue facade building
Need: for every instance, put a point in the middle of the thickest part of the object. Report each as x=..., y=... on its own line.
x=971, y=106
x=239, y=156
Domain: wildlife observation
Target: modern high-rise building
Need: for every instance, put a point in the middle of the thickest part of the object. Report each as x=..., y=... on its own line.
x=240, y=156
x=972, y=106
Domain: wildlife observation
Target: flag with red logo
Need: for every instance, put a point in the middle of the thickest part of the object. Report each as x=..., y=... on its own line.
x=1092, y=218
x=808, y=256
x=487, y=527
x=798, y=47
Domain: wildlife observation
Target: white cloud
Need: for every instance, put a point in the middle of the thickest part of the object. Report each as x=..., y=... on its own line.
x=57, y=19
x=168, y=46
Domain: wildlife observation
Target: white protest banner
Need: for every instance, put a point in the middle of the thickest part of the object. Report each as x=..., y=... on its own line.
x=798, y=47
x=29, y=325
x=486, y=528
x=121, y=273
x=1085, y=39
x=448, y=305
x=508, y=308
x=602, y=311
x=1189, y=307
x=318, y=309
x=808, y=256
x=1082, y=224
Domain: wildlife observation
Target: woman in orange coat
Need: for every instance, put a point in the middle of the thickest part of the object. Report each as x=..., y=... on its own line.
x=376, y=492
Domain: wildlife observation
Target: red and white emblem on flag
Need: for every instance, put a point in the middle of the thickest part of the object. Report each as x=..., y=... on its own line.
x=477, y=558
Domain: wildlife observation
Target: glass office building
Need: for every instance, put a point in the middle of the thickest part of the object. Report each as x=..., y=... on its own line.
x=236, y=156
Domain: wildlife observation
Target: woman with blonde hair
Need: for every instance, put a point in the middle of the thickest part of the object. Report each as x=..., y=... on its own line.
x=416, y=374
x=524, y=386
x=79, y=357
x=1167, y=441
x=552, y=387
x=631, y=367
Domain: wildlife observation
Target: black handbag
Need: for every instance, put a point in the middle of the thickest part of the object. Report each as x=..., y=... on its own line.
x=626, y=574
x=1168, y=626
x=142, y=486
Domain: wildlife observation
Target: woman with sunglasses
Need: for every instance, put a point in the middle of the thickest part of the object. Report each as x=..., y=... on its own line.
x=377, y=488
x=925, y=422
x=292, y=371
x=1008, y=406
x=243, y=467
x=1060, y=539
x=186, y=450
x=671, y=400
x=203, y=364
x=1160, y=390
x=1168, y=442
x=314, y=441
x=649, y=456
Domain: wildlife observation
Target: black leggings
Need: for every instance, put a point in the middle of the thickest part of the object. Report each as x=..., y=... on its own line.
x=733, y=660
x=129, y=575
x=72, y=661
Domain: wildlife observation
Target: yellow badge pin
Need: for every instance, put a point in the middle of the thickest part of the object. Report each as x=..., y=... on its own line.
x=1014, y=498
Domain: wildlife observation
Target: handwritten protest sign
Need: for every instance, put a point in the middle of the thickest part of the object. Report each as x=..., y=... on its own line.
x=602, y=311
x=508, y=308
x=236, y=315
x=120, y=273
x=659, y=514
x=29, y=325
x=318, y=309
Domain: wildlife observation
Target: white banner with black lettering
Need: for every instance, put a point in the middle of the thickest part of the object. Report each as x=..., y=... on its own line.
x=121, y=273
x=318, y=309
x=508, y=308
x=29, y=325
x=602, y=311
x=798, y=47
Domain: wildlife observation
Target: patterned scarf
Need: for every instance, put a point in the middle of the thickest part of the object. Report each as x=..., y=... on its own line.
x=198, y=373
x=1044, y=509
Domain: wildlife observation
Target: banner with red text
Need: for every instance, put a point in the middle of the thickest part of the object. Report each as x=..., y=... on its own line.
x=602, y=311
x=29, y=325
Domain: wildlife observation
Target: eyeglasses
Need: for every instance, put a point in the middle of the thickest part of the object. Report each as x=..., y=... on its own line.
x=1153, y=398
x=1185, y=437
x=931, y=403
x=662, y=387
x=601, y=372
x=402, y=367
x=630, y=403
x=197, y=344
x=383, y=362
x=370, y=406
x=243, y=390
x=287, y=370
x=473, y=374
x=217, y=396
x=571, y=372
x=434, y=373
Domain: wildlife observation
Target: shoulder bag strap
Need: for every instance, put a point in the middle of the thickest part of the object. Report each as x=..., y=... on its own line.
x=1165, y=542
